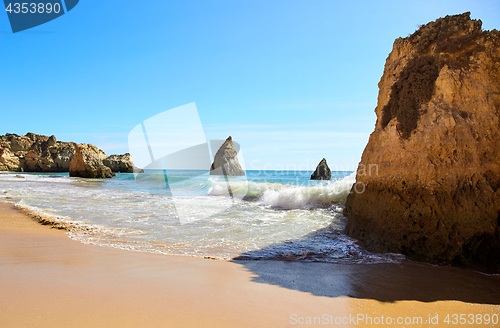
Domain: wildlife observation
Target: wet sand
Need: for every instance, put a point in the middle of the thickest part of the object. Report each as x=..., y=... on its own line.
x=49, y=280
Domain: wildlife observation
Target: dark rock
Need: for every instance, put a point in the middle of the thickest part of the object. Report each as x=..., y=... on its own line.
x=322, y=171
x=226, y=160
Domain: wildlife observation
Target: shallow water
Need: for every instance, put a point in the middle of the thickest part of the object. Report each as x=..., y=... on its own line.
x=264, y=215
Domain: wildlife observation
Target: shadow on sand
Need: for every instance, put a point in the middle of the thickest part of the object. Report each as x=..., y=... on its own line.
x=385, y=282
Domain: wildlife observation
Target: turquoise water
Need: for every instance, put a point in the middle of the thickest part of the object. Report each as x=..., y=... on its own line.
x=263, y=215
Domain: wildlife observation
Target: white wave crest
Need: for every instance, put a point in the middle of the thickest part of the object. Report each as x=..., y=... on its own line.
x=309, y=197
x=285, y=196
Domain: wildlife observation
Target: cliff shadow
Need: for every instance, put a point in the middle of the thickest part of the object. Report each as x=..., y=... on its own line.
x=385, y=282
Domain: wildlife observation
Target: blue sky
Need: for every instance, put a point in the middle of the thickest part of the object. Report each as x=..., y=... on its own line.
x=291, y=81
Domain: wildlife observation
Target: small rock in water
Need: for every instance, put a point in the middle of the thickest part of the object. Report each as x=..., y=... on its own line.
x=322, y=171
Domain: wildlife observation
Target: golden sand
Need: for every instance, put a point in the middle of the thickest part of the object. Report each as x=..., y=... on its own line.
x=49, y=280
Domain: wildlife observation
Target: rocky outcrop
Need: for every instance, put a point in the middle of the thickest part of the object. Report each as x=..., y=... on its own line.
x=122, y=164
x=34, y=153
x=322, y=171
x=87, y=163
x=226, y=160
x=429, y=178
x=38, y=153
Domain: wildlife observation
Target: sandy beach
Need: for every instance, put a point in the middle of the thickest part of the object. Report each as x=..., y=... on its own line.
x=49, y=280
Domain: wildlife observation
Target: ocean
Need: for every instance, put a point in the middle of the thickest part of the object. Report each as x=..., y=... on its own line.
x=280, y=215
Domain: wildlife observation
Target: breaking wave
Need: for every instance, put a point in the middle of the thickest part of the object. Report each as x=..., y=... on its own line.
x=287, y=197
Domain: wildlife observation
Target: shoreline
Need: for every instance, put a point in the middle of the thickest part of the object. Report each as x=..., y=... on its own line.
x=58, y=223
x=50, y=280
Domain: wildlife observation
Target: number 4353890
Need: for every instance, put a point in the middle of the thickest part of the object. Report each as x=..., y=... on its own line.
x=471, y=319
x=24, y=8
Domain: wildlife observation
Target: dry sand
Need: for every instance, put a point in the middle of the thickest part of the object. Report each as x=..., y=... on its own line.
x=49, y=280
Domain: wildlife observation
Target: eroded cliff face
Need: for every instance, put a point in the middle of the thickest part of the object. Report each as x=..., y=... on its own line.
x=39, y=153
x=433, y=193
x=34, y=153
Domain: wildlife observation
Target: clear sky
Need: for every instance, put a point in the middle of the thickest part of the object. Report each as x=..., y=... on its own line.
x=291, y=81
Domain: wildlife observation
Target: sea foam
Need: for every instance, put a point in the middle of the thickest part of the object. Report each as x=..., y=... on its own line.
x=287, y=197
x=272, y=215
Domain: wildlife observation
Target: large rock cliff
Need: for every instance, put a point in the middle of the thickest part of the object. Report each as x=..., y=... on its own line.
x=429, y=178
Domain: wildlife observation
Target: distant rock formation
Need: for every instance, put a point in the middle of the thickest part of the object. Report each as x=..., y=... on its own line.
x=121, y=163
x=435, y=193
x=226, y=160
x=322, y=171
x=34, y=153
x=87, y=163
x=38, y=153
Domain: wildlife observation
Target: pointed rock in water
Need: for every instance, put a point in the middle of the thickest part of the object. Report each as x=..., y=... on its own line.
x=87, y=163
x=226, y=160
x=122, y=164
x=322, y=171
x=430, y=173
